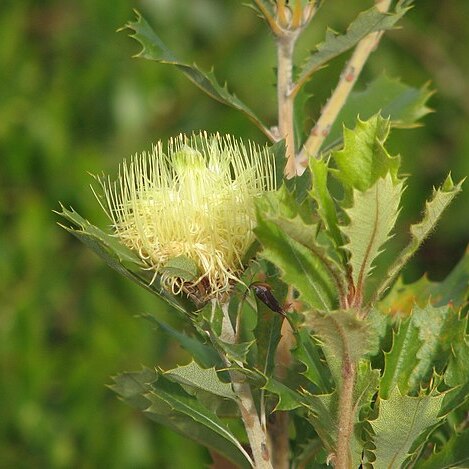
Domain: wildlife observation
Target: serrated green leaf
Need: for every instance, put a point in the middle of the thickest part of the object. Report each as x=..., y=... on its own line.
x=119, y=258
x=457, y=373
x=206, y=379
x=392, y=99
x=364, y=390
x=401, y=419
x=422, y=339
x=235, y=352
x=181, y=266
x=323, y=417
x=366, y=22
x=299, y=266
x=288, y=399
x=153, y=48
x=134, y=387
x=363, y=158
x=167, y=396
x=342, y=336
x=454, y=454
x=372, y=217
x=434, y=208
x=203, y=353
x=326, y=206
x=307, y=352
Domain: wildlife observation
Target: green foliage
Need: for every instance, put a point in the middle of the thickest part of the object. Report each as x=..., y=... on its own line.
x=363, y=158
x=401, y=419
x=372, y=217
x=454, y=454
x=403, y=105
x=72, y=103
x=434, y=208
x=167, y=402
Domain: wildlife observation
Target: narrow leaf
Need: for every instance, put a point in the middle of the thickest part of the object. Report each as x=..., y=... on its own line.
x=288, y=399
x=366, y=22
x=307, y=352
x=153, y=48
x=372, y=217
x=172, y=394
x=401, y=419
x=326, y=206
x=434, y=208
x=300, y=267
x=268, y=336
x=133, y=387
x=119, y=258
x=203, y=353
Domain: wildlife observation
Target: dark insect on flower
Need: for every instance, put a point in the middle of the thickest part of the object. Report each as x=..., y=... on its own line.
x=263, y=291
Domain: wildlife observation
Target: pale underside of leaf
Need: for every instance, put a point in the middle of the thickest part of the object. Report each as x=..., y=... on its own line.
x=372, y=217
x=434, y=208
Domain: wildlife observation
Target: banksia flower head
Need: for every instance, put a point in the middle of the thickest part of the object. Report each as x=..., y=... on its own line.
x=189, y=212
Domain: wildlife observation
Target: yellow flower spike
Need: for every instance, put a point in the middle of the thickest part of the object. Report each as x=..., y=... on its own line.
x=196, y=203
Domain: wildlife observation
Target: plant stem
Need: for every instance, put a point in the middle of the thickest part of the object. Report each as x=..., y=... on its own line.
x=285, y=45
x=256, y=434
x=346, y=415
x=348, y=78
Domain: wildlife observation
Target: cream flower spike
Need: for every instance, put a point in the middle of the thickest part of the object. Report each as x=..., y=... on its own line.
x=194, y=203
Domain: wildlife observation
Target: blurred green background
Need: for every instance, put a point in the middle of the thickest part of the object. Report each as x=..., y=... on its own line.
x=73, y=101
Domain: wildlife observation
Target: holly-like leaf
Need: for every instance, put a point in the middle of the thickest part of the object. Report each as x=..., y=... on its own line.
x=322, y=414
x=119, y=258
x=401, y=420
x=366, y=22
x=307, y=352
x=372, y=217
x=457, y=372
x=299, y=266
x=363, y=158
x=434, y=208
x=404, y=105
x=288, y=399
x=167, y=404
x=153, y=48
x=202, y=352
x=422, y=339
x=326, y=206
x=453, y=454
x=205, y=379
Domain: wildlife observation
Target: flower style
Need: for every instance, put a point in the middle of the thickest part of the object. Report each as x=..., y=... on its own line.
x=196, y=203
